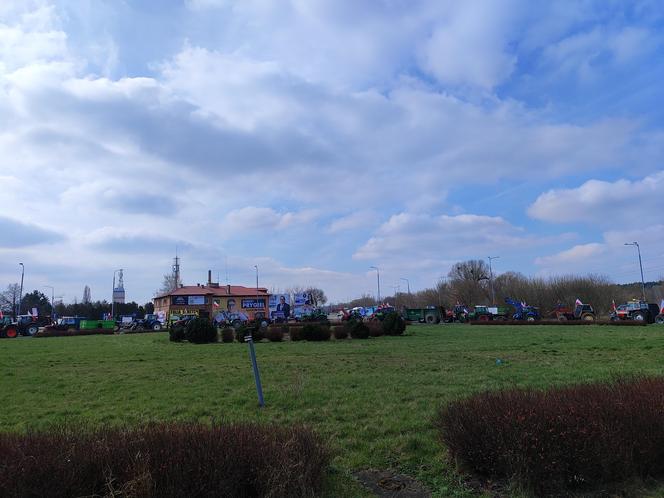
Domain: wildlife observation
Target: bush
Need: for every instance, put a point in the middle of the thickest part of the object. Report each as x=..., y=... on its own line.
x=566, y=438
x=228, y=334
x=176, y=333
x=253, y=329
x=357, y=329
x=316, y=332
x=200, y=331
x=275, y=334
x=375, y=328
x=167, y=460
x=339, y=332
x=295, y=333
x=394, y=324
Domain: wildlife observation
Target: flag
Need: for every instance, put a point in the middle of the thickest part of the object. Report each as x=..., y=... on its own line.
x=1, y=315
x=578, y=302
x=215, y=304
x=613, y=304
x=661, y=308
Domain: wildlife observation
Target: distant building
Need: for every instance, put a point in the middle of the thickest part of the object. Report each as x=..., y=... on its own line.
x=213, y=301
x=118, y=290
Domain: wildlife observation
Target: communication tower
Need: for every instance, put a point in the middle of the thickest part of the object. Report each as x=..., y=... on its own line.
x=118, y=290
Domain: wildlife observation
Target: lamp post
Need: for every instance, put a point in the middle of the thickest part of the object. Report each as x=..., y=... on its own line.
x=20, y=294
x=256, y=267
x=493, y=294
x=52, y=299
x=407, y=283
x=377, y=278
x=113, y=295
x=643, y=283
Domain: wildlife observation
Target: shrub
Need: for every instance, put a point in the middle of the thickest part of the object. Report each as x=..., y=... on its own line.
x=339, y=332
x=275, y=334
x=375, y=328
x=176, y=333
x=316, y=332
x=357, y=329
x=564, y=438
x=167, y=460
x=200, y=331
x=394, y=324
x=228, y=334
x=295, y=333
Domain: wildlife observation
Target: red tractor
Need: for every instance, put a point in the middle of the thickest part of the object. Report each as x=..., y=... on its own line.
x=583, y=312
x=8, y=329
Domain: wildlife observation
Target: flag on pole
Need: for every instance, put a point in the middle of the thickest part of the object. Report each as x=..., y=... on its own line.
x=578, y=302
x=215, y=304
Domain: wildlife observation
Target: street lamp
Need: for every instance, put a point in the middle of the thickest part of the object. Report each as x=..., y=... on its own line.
x=20, y=294
x=408, y=283
x=113, y=295
x=52, y=299
x=493, y=294
x=643, y=283
x=378, y=279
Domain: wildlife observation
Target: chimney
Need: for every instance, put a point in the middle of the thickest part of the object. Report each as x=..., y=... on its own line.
x=228, y=289
x=209, y=277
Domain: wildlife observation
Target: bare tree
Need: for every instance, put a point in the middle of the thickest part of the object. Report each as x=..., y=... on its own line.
x=469, y=281
x=86, y=295
x=9, y=298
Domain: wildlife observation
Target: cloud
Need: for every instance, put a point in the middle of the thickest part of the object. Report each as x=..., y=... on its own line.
x=602, y=202
x=18, y=234
x=353, y=221
x=252, y=218
x=576, y=254
x=415, y=238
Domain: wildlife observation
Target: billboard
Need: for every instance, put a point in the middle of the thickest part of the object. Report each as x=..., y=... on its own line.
x=303, y=305
x=280, y=308
x=188, y=300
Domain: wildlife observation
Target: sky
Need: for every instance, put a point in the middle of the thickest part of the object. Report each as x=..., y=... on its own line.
x=318, y=138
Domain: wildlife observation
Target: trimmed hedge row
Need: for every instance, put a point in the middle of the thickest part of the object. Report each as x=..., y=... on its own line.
x=164, y=460
x=567, y=438
x=619, y=323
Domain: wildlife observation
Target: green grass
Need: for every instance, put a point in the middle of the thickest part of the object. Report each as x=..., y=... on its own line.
x=372, y=399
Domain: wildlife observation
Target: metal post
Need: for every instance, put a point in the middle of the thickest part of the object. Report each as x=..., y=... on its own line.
x=378, y=280
x=257, y=375
x=408, y=283
x=643, y=283
x=493, y=294
x=20, y=294
x=113, y=298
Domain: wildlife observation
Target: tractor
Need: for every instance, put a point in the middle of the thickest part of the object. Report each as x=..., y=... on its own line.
x=430, y=314
x=637, y=310
x=583, y=312
x=487, y=313
x=8, y=329
x=522, y=311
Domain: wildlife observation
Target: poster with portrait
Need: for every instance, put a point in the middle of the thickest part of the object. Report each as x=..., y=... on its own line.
x=302, y=305
x=280, y=307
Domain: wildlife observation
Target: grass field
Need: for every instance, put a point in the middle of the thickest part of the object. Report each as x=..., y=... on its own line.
x=373, y=399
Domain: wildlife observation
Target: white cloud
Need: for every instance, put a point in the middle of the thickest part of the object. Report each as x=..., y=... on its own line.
x=605, y=203
x=577, y=254
x=251, y=218
x=353, y=221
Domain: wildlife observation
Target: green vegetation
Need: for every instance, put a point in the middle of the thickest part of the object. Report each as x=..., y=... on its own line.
x=374, y=400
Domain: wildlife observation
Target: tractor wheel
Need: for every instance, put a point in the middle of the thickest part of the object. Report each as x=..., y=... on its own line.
x=156, y=327
x=236, y=324
x=639, y=316
x=588, y=317
x=32, y=329
x=11, y=333
x=659, y=319
x=530, y=319
x=562, y=318
x=430, y=319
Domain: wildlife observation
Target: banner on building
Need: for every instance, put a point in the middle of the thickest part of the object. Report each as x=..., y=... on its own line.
x=280, y=308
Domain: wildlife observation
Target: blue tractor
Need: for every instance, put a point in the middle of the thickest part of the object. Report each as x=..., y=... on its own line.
x=522, y=311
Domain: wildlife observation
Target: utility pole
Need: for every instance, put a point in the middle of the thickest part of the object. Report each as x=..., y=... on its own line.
x=408, y=283
x=378, y=280
x=20, y=294
x=493, y=294
x=643, y=283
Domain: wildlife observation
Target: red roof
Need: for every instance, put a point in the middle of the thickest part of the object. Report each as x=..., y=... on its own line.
x=222, y=290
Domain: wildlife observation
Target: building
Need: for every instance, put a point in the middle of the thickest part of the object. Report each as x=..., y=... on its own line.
x=230, y=302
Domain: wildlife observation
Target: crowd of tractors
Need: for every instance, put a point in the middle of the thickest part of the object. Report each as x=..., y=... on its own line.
x=634, y=310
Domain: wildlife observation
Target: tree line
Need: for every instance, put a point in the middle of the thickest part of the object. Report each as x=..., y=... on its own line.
x=470, y=283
